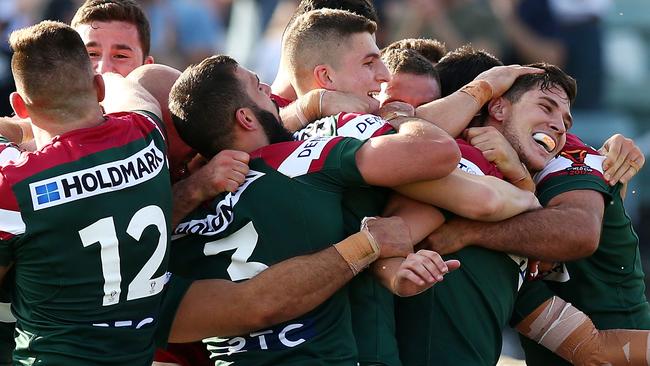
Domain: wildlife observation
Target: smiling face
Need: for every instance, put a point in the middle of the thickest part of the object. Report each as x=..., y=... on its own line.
x=535, y=124
x=113, y=46
x=359, y=70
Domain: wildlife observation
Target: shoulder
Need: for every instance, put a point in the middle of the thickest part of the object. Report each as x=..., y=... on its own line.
x=576, y=159
x=295, y=158
x=142, y=120
x=362, y=126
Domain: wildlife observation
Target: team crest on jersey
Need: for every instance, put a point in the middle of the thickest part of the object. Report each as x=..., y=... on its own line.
x=223, y=216
x=577, y=159
x=116, y=175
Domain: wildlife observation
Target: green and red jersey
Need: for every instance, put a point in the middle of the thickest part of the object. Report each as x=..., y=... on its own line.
x=85, y=221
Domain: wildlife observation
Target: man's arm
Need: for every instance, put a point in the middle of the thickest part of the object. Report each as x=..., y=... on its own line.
x=224, y=172
x=126, y=94
x=418, y=151
x=482, y=198
x=285, y=290
x=453, y=112
x=319, y=103
x=16, y=130
x=568, y=228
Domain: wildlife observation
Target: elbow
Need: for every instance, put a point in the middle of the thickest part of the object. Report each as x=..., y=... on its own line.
x=490, y=207
x=586, y=245
x=444, y=155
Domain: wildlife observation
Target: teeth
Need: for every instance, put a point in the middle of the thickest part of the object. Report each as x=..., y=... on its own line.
x=545, y=140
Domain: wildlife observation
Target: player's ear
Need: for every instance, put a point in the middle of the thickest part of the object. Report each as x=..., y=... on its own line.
x=498, y=107
x=18, y=104
x=245, y=118
x=100, y=87
x=324, y=76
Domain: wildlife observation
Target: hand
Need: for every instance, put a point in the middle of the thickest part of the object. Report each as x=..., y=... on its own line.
x=420, y=271
x=388, y=109
x=224, y=172
x=448, y=238
x=335, y=102
x=623, y=159
x=392, y=234
x=501, y=78
x=496, y=149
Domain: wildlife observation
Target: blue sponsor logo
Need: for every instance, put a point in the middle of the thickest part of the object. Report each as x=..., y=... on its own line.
x=47, y=193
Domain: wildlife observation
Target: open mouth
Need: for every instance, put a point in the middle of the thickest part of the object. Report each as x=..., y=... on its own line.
x=373, y=94
x=545, y=141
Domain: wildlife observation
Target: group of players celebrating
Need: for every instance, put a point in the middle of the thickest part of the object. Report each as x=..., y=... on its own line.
x=306, y=223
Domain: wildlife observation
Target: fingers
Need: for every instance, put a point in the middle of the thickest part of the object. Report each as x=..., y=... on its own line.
x=452, y=264
x=428, y=266
x=523, y=70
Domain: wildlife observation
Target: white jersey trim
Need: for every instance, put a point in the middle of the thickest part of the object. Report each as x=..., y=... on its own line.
x=561, y=163
x=11, y=222
x=299, y=162
x=9, y=154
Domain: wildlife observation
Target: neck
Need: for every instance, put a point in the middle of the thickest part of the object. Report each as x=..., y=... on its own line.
x=45, y=129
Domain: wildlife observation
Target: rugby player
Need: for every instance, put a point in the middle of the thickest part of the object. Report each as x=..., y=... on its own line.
x=62, y=296
x=112, y=322
x=572, y=197
x=410, y=325
x=335, y=50
x=301, y=183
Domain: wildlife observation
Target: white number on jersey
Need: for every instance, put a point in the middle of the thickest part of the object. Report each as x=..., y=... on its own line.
x=103, y=232
x=244, y=240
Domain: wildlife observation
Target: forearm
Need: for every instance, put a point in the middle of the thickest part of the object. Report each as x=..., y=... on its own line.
x=452, y=113
x=385, y=270
x=302, y=111
x=551, y=234
x=16, y=130
x=185, y=197
x=282, y=292
x=481, y=198
x=124, y=94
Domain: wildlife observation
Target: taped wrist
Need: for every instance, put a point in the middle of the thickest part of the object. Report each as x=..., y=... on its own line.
x=359, y=250
x=569, y=333
x=480, y=90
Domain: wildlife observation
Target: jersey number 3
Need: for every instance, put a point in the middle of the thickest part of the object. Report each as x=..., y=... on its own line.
x=103, y=232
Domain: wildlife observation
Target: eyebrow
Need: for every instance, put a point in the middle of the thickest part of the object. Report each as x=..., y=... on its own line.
x=372, y=54
x=117, y=46
x=567, y=117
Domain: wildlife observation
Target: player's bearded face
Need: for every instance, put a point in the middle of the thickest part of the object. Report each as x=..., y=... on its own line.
x=273, y=128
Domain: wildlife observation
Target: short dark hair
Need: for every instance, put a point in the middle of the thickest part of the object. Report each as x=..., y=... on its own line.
x=552, y=77
x=432, y=49
x=116, y=11
x=51, y=67
x=462, y=65
x=365, y=8
x=309, y=41
x=203, y=102
x=399, y=60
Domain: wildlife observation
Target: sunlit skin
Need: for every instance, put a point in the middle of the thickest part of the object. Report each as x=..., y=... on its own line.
x=113, y=46
x=360, y=70
x=545, y=111
x=258, y=92
x=410, y=88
